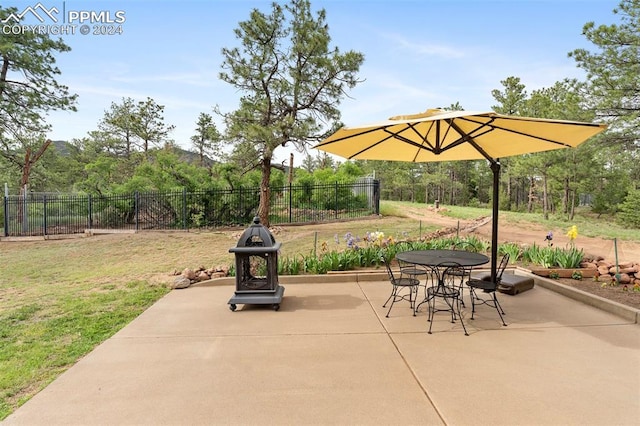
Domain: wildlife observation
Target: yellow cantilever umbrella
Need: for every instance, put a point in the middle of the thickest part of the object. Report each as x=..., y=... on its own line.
x=438, y=135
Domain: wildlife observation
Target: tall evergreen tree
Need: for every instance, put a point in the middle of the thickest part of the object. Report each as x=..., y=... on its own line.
x=28, y=91
x=207, y=138
x=149, y=124
x=291, y=82
x=613, y=73
x=129, y=123
x=511, y=101
x=118, y=127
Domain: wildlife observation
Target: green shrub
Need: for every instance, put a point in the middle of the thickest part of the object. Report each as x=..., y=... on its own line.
x=289, y=266
x=553, y=257
x=568, y=258
x=512, y=249
x=629, y=214
x=543, y=256
x=475, y=244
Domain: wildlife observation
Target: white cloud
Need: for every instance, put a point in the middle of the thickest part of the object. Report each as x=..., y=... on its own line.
x=424, y=48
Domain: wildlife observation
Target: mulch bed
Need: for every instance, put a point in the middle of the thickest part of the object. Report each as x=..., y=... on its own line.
x=616, y=293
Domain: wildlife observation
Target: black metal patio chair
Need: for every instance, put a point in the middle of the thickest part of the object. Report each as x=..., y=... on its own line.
x=486, y=286
x=444, y=294
x=403, y=287
x=465, y=273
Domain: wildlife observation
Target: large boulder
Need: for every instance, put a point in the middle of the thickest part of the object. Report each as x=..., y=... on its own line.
x=202, y=276
x=189, y=273
x=603, y=270
x=623, y=278
x=181, y=282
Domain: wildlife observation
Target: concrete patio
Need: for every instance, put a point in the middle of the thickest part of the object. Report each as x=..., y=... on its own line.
x=329, y=356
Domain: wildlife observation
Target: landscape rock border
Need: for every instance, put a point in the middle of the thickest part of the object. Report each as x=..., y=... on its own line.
x=606, y=271
x=189, y=276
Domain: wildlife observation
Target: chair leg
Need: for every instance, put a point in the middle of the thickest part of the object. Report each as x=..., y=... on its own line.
x=426, y=296
x=493, y=302
x=393, y=291
x=396, y=296
x=472, y=293
x=392, y=298
x=453, y=305
x=460, y=316
x=414, y=292
x=431, y=311
x=495, y=296
x=499, y=308
x=468, y=277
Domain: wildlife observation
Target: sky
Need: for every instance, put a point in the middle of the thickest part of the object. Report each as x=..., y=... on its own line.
x=419, y=54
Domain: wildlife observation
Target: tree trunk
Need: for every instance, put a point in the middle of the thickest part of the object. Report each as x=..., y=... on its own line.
x=127, y=148
x=30, y=161
x=545, y=199
x=265, y=192
x=508, y=200
x=3, y=74
x=572, y=208
x=531, y=194
x=26, y=171
x=565, y=196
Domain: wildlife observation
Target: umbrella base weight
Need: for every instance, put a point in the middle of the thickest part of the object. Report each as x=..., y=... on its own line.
x=512, y=284
x=515, y=284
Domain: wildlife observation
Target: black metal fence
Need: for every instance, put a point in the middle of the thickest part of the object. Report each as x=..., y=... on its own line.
x=52, y=214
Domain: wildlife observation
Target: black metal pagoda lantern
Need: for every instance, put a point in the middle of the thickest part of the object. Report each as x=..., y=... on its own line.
x=256, y=268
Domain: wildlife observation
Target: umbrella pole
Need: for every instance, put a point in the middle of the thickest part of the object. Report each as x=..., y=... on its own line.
x=495, y=168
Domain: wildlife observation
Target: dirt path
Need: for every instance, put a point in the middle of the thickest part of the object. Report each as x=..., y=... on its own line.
x=627, y=250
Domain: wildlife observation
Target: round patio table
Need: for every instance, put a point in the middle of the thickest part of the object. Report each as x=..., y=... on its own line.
x=434, y=258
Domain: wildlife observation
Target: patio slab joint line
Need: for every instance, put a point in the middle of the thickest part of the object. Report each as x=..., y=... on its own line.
x=399, y=352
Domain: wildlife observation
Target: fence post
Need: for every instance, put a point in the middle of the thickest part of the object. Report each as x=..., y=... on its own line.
x=44, y=211
x=90, y=201
x=290, y=201
x=376, y=195
x=136, y=207
x=6, y=216
x=184, y=208
x=25, y=212
x=336, y=204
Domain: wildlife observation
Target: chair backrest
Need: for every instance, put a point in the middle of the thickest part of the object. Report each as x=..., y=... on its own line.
x=387, y=265
x=458, y=245
x=501, y=267
x=452, y=273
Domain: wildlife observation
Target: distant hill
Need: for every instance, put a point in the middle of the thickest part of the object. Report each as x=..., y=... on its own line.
x=192, y=157
x=62, y=147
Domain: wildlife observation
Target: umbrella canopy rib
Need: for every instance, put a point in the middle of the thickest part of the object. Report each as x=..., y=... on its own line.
x=426, y=145
x=471, y=140
x=363, y=133
x=368, y=147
